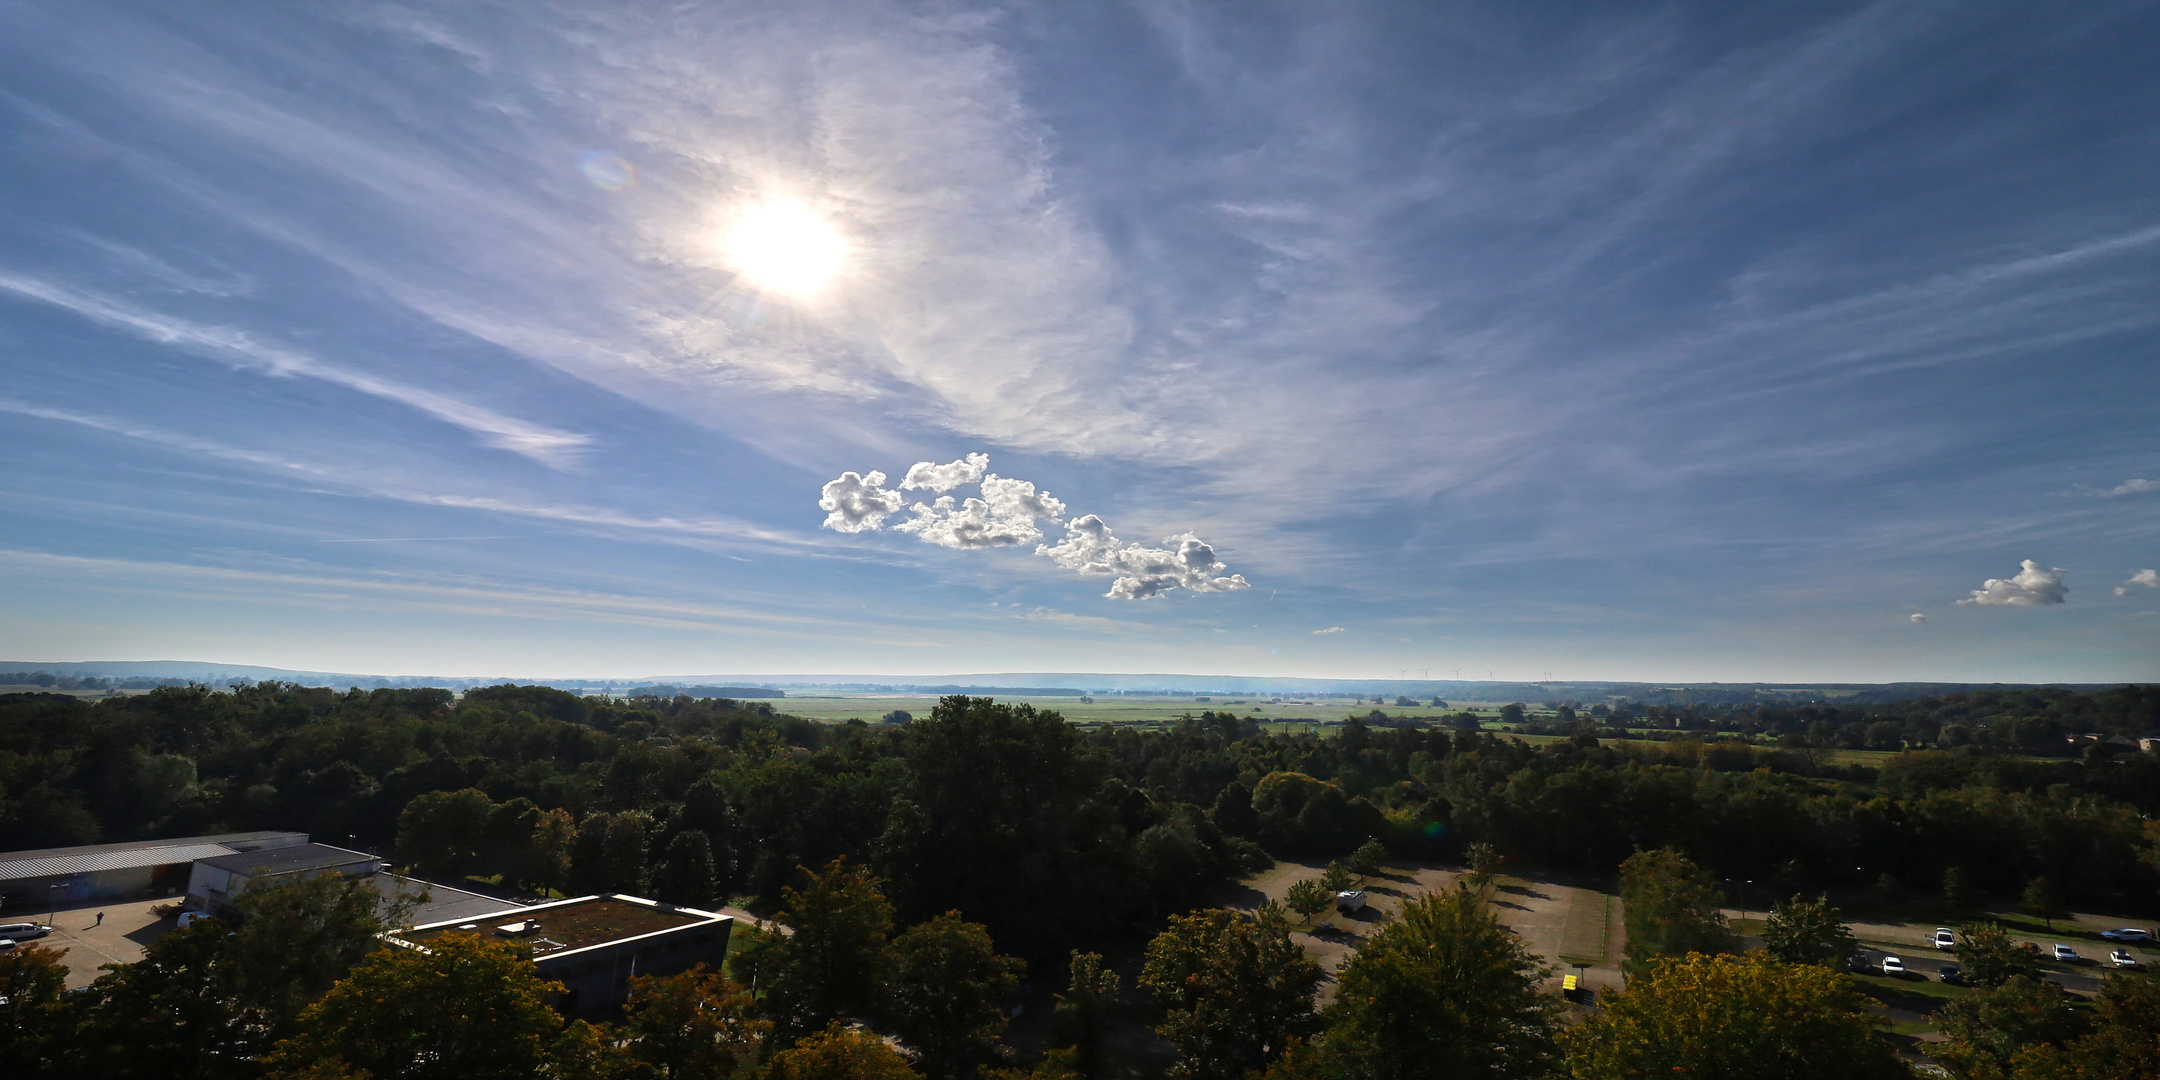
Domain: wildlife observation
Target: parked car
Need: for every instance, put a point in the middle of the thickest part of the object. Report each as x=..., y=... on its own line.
x=1944, y=939
x=2066, y=954
x=24, y=931
x=1892, y=966
x=1951, y=973
x=1350, y=902
x=2127, y=933
x=188, y=918
x=2121, y=958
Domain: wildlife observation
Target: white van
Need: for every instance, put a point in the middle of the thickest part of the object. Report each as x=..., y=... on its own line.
x=1350, y=902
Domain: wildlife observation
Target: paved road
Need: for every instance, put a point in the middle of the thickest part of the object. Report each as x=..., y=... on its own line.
x=2085, y=978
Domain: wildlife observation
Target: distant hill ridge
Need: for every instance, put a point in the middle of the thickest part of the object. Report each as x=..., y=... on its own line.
x=1051, y=684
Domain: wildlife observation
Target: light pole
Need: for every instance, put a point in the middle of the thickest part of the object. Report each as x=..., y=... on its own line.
x=52, y=900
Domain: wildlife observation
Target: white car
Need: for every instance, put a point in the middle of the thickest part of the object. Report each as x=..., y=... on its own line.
x=2121, y=958
x=1893, y=966
x=1944, y=939
x=2127, y=933
x=24, y=931
x=190, y=918
x=2066, y=954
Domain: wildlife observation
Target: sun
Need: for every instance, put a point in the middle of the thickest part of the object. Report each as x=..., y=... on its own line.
x=783, y=246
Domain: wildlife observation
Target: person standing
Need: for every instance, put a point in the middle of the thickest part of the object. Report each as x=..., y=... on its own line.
x=100, y=919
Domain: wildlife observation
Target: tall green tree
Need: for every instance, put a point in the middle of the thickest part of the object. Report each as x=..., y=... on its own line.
x=839, y=957
x=625, y=855
x=1444, y=991
x=464, y=1008
x=174, y=1013
x=1234, y=989
x=1957, y=889
x=1991, y=957
x=1365, y=861
x=2043, y=900
x=2123, y=1044
x=1808, y=932
x=300, y=934
x=837, y=1053
x=1085, y=1011
x=1731, y=1018
x=1307, y=897
x=698, y=1025
x=445, y=833
x=1672, y=908
x=35, y=1028
x=1005, y=817
x=1988, y=1030
x=686, y=873
x=948, y=993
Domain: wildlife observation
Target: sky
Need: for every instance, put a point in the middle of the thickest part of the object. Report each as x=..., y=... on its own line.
x=1650, y=342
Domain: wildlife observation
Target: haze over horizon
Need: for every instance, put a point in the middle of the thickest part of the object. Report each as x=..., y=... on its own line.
x=1689, y=344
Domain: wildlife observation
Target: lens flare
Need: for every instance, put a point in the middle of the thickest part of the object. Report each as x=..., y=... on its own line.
x=606, y=171
x=785, y=247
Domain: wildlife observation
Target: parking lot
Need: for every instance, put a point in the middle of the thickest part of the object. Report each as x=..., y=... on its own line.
x=129, y=925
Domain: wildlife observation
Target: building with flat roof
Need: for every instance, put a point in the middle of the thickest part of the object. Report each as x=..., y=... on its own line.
x=593, y=945
x=142, y=868
x=215, y=881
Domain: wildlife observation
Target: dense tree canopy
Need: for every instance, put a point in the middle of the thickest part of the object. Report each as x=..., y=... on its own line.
x=1722, y=1018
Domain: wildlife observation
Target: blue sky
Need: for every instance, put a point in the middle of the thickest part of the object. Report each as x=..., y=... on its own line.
x=1629, y=342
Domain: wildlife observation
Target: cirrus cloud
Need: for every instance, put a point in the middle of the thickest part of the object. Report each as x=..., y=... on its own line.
x=2034, y=586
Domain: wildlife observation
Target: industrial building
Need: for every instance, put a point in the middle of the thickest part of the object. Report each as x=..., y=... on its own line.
x=49, y=877
x=216, y=881
x=593, y=945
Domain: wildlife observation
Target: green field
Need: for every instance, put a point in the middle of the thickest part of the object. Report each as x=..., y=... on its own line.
x=1127, y=710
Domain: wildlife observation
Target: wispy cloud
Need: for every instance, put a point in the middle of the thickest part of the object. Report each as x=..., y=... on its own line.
x=243, y=350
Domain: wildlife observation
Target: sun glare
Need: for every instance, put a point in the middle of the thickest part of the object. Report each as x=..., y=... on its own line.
x=784, y=247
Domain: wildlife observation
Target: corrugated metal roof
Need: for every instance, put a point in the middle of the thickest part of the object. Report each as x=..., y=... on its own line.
x=91, y=862
x=242, y=841
x=287, y=860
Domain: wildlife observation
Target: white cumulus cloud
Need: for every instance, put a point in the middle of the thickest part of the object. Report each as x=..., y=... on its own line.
x=2129, y=487
x=1330, y=630
x=1919, y=618
x=2034, y=586
x=2148, y=578
x=944, y=478
x=858, y=503
x=1007, y=513
x=1141, y=572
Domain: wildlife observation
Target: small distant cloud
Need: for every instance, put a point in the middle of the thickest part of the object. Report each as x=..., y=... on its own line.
x=2034, y=586
x=2148, y=578
x=1331, y=630
x=1919, y=618
x=2128, y=487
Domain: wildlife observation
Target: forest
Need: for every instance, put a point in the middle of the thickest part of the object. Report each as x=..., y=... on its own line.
x=606, y=788
x=1009, y=841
